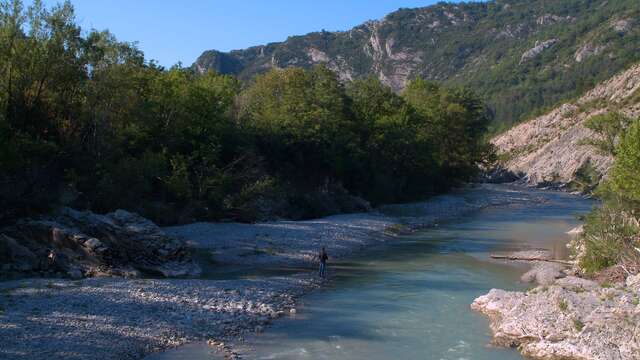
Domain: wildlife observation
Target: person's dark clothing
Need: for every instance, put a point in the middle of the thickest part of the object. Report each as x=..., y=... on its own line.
x=323, y=264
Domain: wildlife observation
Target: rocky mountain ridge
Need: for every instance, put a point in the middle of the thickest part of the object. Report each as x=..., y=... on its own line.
x=520, y=55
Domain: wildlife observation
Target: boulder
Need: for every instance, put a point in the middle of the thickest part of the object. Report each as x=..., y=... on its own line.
x=15, y=257
x=544, y=273
x=81, y=243
x=499, y=175
x=572, y=318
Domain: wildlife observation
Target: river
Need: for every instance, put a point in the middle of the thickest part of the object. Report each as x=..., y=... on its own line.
x=409, y=299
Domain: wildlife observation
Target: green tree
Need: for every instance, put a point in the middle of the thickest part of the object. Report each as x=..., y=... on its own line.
x=608, y=127
x=455, y=121
x=625, y=174
x=299, y=122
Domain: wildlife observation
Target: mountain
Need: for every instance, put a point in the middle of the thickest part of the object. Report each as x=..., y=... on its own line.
x=551, y=149
x=521, y=55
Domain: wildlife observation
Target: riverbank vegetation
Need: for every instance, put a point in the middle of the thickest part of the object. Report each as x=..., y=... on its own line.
x=612, y=232
x=87, y=121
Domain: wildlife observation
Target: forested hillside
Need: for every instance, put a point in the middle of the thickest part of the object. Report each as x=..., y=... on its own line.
x=522, y=56
x=87, y=121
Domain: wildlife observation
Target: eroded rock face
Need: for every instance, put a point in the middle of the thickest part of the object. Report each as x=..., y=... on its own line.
x=572, y=318
x=81, y=244
x=549, y=149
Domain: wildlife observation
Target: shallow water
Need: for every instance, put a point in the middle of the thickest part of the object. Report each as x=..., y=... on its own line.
x=410, y=299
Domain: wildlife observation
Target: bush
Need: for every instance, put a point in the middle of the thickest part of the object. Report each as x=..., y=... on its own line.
x=612, y=232
x=625, y=174
x=610, y=238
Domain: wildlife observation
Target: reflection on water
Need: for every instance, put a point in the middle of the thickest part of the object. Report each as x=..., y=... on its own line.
x=410, y=299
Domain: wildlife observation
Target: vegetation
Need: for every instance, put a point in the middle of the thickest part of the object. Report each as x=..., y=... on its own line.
x=578, y=325
x=609, y=126
x=612, y=232
x=563, y=305
x=476, y=44
x=86, y=121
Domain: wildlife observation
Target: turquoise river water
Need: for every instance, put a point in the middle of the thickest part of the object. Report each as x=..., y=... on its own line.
x=410, y=299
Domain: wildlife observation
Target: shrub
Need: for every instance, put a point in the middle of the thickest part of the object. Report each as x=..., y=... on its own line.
x=563, y=305
x=578, y=325
x=612, y=232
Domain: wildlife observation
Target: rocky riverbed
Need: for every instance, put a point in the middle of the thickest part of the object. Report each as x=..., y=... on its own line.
x=117, y=318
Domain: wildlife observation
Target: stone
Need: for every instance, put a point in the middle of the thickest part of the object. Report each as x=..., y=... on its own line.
x=92, y=244
x=78, y=243
x=633, y=282
x=576, y=230
x=544, y=273
x=549, y=150
x=572, y=318
x=15, y=257
x=539, y=47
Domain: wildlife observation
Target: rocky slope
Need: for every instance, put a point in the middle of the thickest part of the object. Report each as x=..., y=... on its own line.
x=79, y=244
x=519, y=54
x=549, y=149
x=572, y=318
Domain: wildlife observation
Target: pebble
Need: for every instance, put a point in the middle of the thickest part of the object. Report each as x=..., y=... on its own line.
x=142, y=316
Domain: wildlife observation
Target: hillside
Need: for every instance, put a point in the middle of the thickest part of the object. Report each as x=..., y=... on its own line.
x=550, y=148
x=521, y=55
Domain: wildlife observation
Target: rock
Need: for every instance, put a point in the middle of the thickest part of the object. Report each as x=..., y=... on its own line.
x=539, y=47
x=92, y=244
x=633, y=282
x=15, y=257
x=544, y=273
x=572, y=318
x=576, y=230
x=588, y=50
x=499, y=175
x=549, y=149
x=621, y=26
x=577, y=284
x=80, y=243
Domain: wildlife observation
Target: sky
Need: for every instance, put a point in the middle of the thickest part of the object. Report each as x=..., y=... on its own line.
x=180, y=30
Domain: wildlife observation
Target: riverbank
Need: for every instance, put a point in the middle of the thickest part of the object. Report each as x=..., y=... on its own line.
x=128, y=319
x=566, y=317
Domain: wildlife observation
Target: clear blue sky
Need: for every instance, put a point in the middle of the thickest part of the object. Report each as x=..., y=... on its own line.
x=179, y=30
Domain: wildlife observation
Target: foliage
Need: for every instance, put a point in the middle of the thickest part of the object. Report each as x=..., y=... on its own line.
x=85, y=120
x=610, y=238
x=476, y=44
x=625, y=179
x=586, y=179
x=609, y=127
x=612, y=232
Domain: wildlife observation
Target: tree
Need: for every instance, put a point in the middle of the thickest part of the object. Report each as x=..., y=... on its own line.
x=608, y=127
x=625, y=174
x=455, y=121
x=299, y=122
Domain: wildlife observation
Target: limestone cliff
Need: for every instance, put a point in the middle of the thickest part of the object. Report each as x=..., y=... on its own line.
x=549, y=149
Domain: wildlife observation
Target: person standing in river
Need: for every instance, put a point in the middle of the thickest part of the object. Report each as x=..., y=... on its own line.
x=323, y=257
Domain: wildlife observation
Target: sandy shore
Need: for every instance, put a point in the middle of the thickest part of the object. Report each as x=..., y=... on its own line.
x=112, y=318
